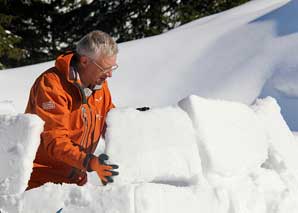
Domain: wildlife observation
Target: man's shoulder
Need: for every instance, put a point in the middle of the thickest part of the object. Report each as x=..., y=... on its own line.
x=50, y=76
x=49, y=81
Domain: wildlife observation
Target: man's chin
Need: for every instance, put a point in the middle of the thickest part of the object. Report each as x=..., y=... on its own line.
x=100, y=81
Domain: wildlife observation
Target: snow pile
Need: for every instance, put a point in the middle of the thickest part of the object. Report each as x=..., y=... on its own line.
x=245, y=158
x=129, y=198
x=277, y=190
x=160, y=153
x=19, y=137
x=283, y=147
x=281, y=165
x=89, y=198
x=230, y=137
x=7, y=107
x=158, y=146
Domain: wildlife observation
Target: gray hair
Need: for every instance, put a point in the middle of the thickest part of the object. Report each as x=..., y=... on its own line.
x=95, y=44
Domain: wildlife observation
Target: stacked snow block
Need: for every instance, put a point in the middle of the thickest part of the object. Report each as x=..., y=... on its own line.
x=19, y=140
x=158, y=146
x=283, y=148
x=158, y=155
x=236, y=142
x=74, y=199
x=281, y=168
x=160, y=169
x=202, y=155
x=231, y=139
x=160, y=198
x=129, y=198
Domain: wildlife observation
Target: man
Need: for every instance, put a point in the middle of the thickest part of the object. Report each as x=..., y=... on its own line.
x=73, y=99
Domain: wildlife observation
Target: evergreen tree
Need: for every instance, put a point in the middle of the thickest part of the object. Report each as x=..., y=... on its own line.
x=35, y=23
x=8, y=51
x=45, y=28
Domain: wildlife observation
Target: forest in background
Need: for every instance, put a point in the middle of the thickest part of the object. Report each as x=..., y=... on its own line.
x=34, y=31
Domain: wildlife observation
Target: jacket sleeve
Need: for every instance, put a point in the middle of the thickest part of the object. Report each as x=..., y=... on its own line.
x=52, y=105
x=110, y=105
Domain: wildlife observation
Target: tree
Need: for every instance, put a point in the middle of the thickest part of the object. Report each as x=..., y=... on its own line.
x=45, y=28
x=35, y=23
x=8, y=50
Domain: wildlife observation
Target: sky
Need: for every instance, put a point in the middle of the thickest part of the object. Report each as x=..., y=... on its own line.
x=210, y=78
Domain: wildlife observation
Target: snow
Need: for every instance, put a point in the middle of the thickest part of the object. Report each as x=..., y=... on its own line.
x=228, y=158
x=72, y=199
x=283, y=146
x=158, y=145
x=7, y=107
x=17, y=150
x=211, y=142
x=239, y=55
x=160, y=198
x=229, y=134
x=19, y=136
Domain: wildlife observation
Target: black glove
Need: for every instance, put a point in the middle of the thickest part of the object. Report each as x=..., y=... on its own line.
x=143, y=108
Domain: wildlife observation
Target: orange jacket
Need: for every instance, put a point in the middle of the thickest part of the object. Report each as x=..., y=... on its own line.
x=73, y=124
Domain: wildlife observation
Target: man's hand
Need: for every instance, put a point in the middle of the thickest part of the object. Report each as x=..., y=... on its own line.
x=103, y=170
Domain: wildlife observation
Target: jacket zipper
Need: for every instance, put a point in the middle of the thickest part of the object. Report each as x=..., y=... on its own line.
x=85, y=121
x=86, y=142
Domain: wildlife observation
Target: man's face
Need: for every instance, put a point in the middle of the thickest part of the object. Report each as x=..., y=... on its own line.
x=97, y=71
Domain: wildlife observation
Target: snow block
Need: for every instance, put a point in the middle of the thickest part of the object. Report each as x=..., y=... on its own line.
x=158, y=146
x=19, y=140
x=74, y=199
x=243, y=194
x=230, y=137
x=273, y=187
x=129, y=198
x=158, y=198
x=10, y=203
x=161, y=198
x=283, y=147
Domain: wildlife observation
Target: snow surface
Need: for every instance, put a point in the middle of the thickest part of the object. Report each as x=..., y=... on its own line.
x=261, y=178
x=246, y=157
x=158, y=146
x=281, y=140
x=7, y=107
x=229, y=135
x=19, y=136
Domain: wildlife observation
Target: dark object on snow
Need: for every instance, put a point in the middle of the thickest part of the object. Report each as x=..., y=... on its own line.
x=142, y=109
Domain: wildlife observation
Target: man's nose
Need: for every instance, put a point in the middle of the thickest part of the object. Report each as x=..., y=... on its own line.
x=109, y=73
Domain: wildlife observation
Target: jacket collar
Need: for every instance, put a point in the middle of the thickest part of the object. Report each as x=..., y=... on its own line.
x=64, y=66
x=63, y=63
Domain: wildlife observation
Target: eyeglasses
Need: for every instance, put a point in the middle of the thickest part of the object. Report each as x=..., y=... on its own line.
x=105, y=70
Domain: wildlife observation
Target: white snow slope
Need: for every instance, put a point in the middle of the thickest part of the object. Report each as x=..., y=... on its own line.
x=228, y=154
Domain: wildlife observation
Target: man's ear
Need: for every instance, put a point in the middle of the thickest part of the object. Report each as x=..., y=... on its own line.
x=84, y=60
